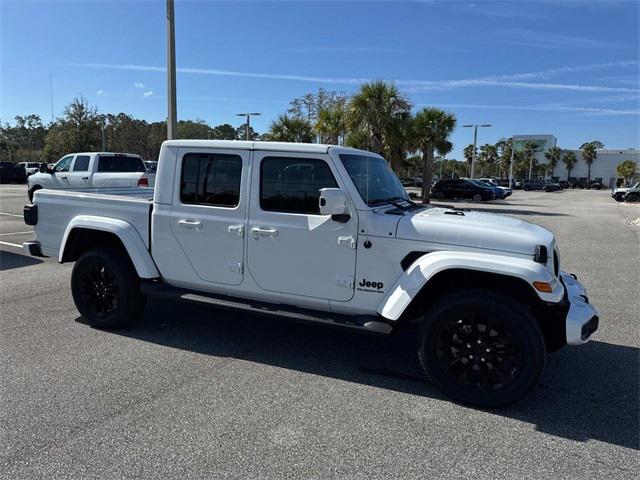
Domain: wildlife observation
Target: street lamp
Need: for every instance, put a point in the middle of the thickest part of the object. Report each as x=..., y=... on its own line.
x=248, y=122
x=172, y=116
x=475, y=141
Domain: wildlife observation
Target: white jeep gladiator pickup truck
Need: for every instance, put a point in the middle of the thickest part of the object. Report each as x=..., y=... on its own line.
x=322, y=234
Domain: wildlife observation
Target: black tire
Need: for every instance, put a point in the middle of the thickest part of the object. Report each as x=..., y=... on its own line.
x=31, y=191
x=451, y=340
x=477, y=197
x=106, y=288
x=632, y=197
x=619, y=197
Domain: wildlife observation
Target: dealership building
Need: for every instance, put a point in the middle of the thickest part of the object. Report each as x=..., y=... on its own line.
x=603, y=168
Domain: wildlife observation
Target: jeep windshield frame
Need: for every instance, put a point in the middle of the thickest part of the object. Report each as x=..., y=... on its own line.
x=373, y=178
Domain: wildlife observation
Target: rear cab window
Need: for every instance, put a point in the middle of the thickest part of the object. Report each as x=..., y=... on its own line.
x=81, y=164
x=211, y=179
x=120, y=164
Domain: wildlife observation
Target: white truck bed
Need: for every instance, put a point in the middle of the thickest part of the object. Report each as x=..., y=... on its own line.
x=56, y=208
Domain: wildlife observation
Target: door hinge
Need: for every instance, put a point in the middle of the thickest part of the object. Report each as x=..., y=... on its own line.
x=346, y=282
x=348, y=241
x=236, y=267
x=237, y=229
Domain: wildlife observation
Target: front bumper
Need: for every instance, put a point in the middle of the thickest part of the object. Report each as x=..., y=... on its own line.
x=582, y=318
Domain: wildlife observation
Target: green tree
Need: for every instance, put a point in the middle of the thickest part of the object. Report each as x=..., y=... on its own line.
x=373, y=110
x=331, y=124
x=77, y=131
x=589, y=153
x=309, y=106
x=193, y=129
x=290, y=129
x=224, y=132
x=126, y=134
x=553, y=155
x=503, y=147
x=468, y=156
x=488, y=158
x=431, y=129
x=569, y=159
x=627, y=170
x=530, y=148
x=398, y=139
x=241, y=133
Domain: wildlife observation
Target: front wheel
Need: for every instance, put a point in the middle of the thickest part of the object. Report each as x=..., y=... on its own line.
x=633, y=197
x=106, y=289
x=477, y=197
x=481, y=348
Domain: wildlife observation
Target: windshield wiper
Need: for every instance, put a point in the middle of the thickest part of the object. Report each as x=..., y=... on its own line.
x=392, y=201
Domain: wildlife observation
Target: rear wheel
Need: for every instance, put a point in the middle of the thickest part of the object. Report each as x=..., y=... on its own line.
x=619, y=197
x=477, y=197
x=106, y=288
x=481, y=348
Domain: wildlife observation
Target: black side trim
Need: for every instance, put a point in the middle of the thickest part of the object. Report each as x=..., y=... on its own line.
x=410, y=258
x=30, y=213
x=367, y=323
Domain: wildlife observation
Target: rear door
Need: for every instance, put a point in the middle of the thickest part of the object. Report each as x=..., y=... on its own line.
x=118, y=170
x=208, y=212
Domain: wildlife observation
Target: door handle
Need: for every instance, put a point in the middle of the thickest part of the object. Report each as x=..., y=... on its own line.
x=85, y=178
x=264, y=232
x=190, y=223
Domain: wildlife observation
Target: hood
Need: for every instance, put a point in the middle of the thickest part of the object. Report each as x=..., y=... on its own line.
x=473, y=229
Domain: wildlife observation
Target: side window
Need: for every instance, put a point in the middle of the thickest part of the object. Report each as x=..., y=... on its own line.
x=211, y=179
x=81, y=164
x=292, y=184
x=64, y=164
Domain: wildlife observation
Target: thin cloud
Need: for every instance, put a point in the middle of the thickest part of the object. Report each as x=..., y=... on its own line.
x=550, y=72
x=148, y=94
x=139, y=85
x=412, y=85
x=539, y=39
x=100, y=92
x=543, y=108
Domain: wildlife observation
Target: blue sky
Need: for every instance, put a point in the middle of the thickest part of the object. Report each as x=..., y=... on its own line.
x=569, y=68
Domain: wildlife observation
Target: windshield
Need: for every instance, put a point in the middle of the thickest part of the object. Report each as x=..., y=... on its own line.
x=374, y=179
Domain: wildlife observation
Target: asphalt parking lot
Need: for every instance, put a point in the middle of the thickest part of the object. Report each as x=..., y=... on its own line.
x=191, y=392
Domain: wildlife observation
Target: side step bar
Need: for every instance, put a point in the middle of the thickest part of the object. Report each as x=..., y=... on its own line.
x=371, y=324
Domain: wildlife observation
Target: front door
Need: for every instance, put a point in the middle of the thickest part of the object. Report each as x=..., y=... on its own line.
x=292, y=249
x=79, y=175
x=208, y=213
x=60, y=176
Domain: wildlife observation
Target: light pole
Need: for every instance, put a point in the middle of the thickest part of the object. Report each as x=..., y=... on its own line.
x=475, y=141
x=102, y=132
x=172, y=115
x=248, y=122
x=513, y=149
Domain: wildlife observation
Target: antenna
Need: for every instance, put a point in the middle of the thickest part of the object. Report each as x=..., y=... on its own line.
x=51, y=94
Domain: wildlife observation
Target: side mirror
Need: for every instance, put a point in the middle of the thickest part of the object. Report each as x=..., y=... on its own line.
x=44, y=168
x=333, y=202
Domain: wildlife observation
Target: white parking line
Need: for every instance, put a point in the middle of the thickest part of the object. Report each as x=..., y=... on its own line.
x=15, y=233
x=11, y=214
x=11, y=245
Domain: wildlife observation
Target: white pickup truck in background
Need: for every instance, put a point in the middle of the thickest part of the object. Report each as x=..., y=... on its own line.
x=322, y=234
x=78, y=171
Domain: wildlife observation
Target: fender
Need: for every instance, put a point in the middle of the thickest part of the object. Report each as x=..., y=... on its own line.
x=407, y=287
x=128, y=235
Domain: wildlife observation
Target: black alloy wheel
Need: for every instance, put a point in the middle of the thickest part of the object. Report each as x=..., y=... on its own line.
x=481, y=348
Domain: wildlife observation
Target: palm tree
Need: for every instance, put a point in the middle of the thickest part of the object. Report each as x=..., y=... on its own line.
x=503, y=148
x=468, y=155
x=397, y=139
x=569, y=159
x=290, y=129
x=488, y=156
x=332, y=124
x=553, y=155
x=431, y=128
x=589, y=153
x=373, y=110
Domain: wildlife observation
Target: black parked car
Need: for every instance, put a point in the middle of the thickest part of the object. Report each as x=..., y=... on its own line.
x=534, y=185
x=458, y=188
x=12, y=173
